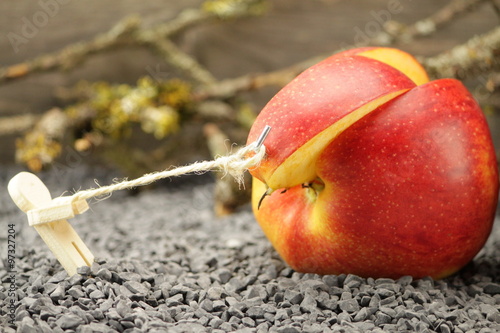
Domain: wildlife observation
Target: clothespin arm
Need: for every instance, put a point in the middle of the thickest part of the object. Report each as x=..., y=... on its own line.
x=48, y=217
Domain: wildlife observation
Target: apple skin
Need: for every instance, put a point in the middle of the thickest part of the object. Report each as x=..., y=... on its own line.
x=318, y=97
x=409, y=189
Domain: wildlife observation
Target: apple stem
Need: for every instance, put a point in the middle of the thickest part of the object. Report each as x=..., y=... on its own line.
x=269, y=191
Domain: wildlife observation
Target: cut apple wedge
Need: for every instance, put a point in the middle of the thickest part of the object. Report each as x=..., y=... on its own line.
x=299, y=167
x=327, y=94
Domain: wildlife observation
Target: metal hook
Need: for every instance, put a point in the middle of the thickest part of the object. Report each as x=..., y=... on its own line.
x=262, y=137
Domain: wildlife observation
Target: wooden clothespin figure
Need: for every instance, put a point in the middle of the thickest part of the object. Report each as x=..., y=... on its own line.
x=49, y=217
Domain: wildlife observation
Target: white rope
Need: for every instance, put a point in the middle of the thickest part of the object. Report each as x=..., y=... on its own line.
x=235, y=165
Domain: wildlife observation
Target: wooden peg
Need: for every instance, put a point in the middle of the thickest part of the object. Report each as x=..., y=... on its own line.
x=61, y=208
x=48, y=217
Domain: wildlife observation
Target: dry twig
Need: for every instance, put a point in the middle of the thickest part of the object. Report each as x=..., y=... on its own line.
x=129, y=32
x=479, y=55
x=447, y=14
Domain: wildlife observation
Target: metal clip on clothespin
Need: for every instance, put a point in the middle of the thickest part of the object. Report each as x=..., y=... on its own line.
x=49, y=217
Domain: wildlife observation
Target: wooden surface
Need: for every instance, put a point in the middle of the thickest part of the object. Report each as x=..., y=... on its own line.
x=293, y=30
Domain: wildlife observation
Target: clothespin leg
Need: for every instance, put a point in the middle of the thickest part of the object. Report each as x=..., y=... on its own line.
x=29, y=192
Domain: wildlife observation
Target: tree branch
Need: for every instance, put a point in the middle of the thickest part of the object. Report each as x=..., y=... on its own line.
x=453, y=10
x=17, y=124
x=70, y=56
x=128, y=32
x=229, y=87
x=477, y=56
x=496, y=7
x=173, y=55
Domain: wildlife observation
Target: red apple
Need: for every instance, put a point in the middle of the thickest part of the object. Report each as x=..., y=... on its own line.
x=374, y=171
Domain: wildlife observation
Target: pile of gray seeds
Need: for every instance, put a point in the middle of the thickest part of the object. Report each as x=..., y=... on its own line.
x=164, y=262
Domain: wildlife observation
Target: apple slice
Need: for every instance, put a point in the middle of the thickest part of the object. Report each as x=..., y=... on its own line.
x=299, y=167
x=317, y=106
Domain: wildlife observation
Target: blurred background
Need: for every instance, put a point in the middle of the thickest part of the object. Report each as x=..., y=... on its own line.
x=139, y=86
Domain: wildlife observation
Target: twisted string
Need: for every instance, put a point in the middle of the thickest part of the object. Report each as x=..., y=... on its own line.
x=235, y=165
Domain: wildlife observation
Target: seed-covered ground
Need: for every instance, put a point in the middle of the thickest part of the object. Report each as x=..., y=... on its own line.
x=164, y=262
